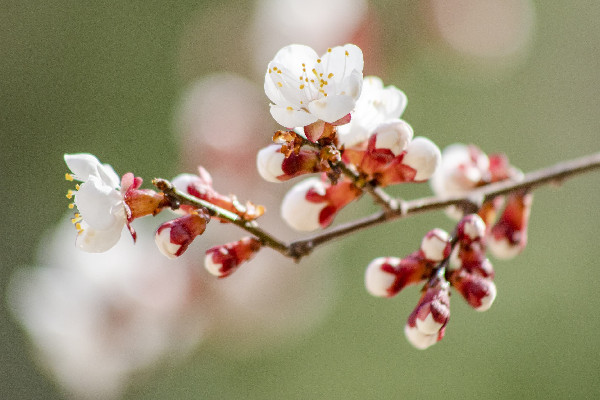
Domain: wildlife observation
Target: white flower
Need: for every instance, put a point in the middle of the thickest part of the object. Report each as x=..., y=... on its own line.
x=305, y=88
x=376, y=104
x=394, y=134
x=100, y=203
x=463, y=168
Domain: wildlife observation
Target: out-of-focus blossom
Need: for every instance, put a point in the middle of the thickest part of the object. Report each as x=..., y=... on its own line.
x=315, y=23
x=377, y=104
x=304, y=88
x=508, y=236
x=488, y=30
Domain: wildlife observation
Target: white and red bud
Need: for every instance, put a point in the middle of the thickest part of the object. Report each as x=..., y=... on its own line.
x=387, y=276
x=313, y=203
x=424, y=157
x=173, y=237
x=394, y=135
x=273, y=166
x=508, y=237
x=435, y=246
x=478, y=291
x=470, y=228
x=222, y=261
x=426, y=324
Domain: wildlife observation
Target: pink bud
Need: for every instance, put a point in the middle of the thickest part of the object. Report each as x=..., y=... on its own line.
x=470, y=228
x=387, y=276
x=428, y=320
x=222, y=261
x=313, y=204
x=478, y=291
x=173, y=237
x=273, y=166
x=435, y=246
x=508, y=236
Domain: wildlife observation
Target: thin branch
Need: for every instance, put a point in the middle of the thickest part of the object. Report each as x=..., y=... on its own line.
x=554, y=174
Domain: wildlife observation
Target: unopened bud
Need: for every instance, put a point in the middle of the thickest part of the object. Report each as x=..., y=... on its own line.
x=435, y=246
x=173, y=237
x=424, y=156
x=394, y=135
x=508, y=236
x=268, y=163
x=478, y=291
x=470, y=228
x=428, y=320
x=222, y=261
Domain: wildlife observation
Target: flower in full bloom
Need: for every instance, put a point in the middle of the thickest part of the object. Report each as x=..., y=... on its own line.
x=377, y=104
x=304, y=88
x=106, y=203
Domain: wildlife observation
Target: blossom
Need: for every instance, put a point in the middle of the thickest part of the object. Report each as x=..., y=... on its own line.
x=304, y=88
x=274, y=166
x=377, y=104
x=222, y=261
x=102, y=214
x=173, y=237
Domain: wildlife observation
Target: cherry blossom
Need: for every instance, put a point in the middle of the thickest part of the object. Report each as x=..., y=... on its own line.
x=304, y=88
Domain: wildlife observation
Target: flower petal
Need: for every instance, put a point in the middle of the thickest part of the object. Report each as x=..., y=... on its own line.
x=82, y=165
x=331, y=108
x=291, y=118
x=99, y=204
x=98, y=241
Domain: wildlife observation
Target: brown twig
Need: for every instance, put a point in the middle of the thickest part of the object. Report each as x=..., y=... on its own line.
x=554, y=174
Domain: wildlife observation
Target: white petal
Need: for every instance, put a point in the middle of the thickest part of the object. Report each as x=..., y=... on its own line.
x=299, y=213
x=212, y=267
x=341, y=61
x=268, y=163
x=100, y=205
x=488, y=300
x=98, y=241
x=82, y=165
x=293, y=56
x=434, y=244
x=428, y=326
x=331, y=108
x=291, y=118
x=424, y=156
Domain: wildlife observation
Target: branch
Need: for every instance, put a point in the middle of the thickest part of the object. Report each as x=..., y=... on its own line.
x=554, y=174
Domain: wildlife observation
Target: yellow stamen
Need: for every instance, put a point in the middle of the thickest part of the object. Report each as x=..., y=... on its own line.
x=302, y=86
x=279, y=84
x=68, y=177
x=347, y=53
x=330, y=75
x=289, y=108
x=69, y=194
x=78, y=227
x=77, y=186
x=329, y=50
x=72, y=205
x=319, y=61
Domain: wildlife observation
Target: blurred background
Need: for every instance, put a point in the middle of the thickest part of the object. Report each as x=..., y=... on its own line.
x=158, y=88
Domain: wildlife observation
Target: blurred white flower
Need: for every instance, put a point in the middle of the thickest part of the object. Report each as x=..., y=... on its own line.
x=315, y=23
x=305, y=88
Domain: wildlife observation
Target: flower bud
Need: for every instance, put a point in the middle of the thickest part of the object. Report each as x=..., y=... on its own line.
x=313, y=204
x=222, y=261
x=426, y=324
x=394, y=135
x=478, y=291
x=387, y=276
x=508, y=236
x=435, y=246
x=268, y=163
x=173, y=237
x=424, y=156
x=470, y=228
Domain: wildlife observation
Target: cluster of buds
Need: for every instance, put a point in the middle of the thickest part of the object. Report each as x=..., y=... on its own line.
x=339, y=124
x=466, y=167
x=440, y=263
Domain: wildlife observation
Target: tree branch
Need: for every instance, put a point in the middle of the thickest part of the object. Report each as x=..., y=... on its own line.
x=553, y=174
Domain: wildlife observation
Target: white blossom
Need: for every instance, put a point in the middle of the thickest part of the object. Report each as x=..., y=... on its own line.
x=424, y=156
x=99, y=200
x=300, y=213
x=304, y=88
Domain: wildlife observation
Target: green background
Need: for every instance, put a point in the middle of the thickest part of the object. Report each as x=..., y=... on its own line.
x=105, y=78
